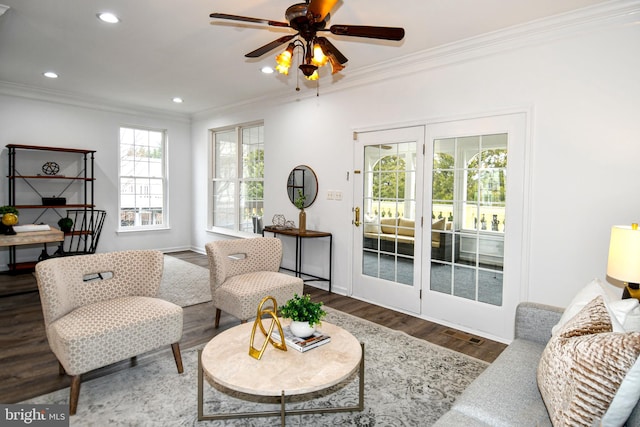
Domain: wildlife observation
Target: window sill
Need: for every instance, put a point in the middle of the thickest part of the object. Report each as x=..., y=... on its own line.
x=141, y=230
x=231, y=233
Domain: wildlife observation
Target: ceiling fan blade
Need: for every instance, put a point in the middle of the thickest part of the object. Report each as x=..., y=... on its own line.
x=269, y=46
x=328, y=47
x=385, y=33
x=247, y=19
x=320, y=8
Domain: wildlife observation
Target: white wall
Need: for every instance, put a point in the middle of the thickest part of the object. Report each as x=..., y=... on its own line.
x=37, y=122
x=578, y=84
x=583, y=96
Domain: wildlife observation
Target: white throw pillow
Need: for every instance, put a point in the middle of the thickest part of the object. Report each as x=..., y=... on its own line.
x=625, y=399
x=618, y=308
x=632, y=322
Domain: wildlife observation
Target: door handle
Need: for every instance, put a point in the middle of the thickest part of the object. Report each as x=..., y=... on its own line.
x=356, y=221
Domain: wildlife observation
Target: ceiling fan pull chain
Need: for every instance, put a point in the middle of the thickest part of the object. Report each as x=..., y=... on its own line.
x=298, y=71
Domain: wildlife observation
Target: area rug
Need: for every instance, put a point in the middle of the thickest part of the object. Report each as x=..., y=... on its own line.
x=184, y=283
x=408, y=382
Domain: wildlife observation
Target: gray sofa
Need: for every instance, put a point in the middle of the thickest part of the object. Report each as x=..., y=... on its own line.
x=506, y=393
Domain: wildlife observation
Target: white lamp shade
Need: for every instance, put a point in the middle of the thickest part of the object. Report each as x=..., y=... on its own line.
x=624, y=254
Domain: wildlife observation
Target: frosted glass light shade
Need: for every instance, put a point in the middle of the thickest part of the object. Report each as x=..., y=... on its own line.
x=624, y=254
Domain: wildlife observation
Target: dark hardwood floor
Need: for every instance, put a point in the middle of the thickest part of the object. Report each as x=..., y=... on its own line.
x=28, y=368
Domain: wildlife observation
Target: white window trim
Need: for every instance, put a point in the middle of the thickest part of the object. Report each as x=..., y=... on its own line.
x=165, y=187
x=212, y=229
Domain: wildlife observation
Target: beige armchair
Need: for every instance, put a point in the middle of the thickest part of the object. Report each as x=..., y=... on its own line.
x=101, y=308
x=243, y=271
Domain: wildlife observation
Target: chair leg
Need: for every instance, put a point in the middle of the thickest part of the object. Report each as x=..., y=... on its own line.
x=61, y=370
x=177, y=356
x=74, y=394
x=218, y=313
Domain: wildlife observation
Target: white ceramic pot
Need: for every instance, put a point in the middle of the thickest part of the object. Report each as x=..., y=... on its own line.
x=302, y=329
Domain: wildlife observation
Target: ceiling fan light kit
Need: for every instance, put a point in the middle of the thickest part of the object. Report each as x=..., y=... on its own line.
x=307, y=19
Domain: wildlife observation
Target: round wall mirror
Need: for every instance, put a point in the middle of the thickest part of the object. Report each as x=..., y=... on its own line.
x=302, y=179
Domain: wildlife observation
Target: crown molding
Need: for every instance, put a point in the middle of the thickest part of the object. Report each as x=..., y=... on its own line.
x=78, y=100
x=532, y=33
x=570, y=24
x=545, y=30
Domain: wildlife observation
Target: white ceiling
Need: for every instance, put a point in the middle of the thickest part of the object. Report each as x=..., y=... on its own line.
x=167, y=48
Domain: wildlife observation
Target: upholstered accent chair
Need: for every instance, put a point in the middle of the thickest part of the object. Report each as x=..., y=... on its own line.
x=102, y=308
x=243, y=271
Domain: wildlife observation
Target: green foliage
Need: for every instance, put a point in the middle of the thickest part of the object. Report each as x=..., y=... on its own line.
x=389, y=182
x=491, y=159
x=301, y=309
x=253, y=167
x=299, y=202
x=65, y=223
x=8, y=209
x=487, y=161
x=443, y=177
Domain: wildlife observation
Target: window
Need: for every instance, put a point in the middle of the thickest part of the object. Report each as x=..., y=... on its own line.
x=389, y=205
x=469, y=200
x=238, y=178
x=142, y=179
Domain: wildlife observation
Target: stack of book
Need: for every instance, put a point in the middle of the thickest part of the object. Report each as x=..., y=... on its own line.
x=301, y=344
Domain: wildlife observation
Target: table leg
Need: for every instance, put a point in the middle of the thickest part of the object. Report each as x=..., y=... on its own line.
x=330, y=259
x=200, y=387
x=298, y=256
x=282, y=413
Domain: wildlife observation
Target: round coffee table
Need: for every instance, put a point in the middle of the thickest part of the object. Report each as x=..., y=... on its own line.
x=226, y=361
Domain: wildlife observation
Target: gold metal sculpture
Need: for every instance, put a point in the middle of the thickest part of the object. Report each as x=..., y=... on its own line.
x=272, y=312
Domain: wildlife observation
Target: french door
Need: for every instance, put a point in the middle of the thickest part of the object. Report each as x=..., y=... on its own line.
x=475, y=196
x=387, y=217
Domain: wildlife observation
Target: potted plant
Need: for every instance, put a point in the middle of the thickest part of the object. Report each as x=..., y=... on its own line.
x=8, y=218
x=302, y=217
x=305, y=315
x=65, y=224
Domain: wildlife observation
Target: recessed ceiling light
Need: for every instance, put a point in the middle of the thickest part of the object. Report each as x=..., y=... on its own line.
x=50, y=74
x=178, y=100
x=267, y=70
x=108, y=17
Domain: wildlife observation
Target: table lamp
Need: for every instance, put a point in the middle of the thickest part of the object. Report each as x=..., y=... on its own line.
x=624, y=258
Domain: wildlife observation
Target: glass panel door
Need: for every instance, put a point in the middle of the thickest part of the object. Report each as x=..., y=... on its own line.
x=389, y=212
x=474, y=275
x=386, y=246
x=468, y=217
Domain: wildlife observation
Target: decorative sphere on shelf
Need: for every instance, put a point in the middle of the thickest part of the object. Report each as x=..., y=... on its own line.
x=51, y=168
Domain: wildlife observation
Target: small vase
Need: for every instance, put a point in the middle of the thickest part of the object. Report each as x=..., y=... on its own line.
x=301, y=329
x=302, y=221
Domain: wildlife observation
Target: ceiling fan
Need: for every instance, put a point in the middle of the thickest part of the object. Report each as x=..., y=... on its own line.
x=308, y=19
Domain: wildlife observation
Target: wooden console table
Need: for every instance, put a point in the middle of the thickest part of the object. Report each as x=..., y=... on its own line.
x=29, y=238
x=299, y=236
